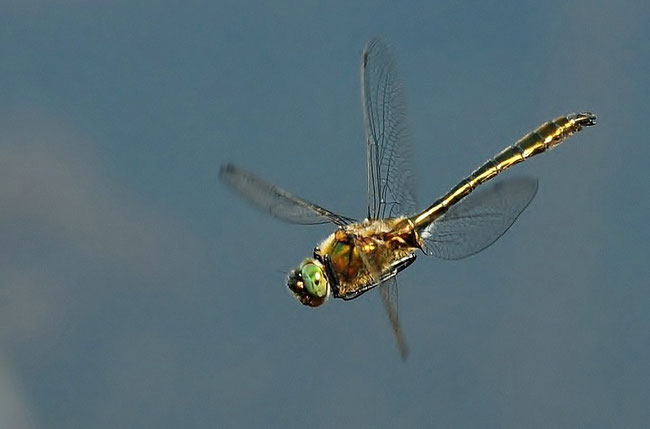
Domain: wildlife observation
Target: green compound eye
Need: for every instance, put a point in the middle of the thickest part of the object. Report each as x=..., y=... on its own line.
x=314, y=280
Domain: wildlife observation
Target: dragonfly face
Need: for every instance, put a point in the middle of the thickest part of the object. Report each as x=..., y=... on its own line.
x=359, y=256
x=309, y=283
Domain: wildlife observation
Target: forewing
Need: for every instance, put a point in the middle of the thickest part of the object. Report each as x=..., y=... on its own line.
x=391, y=184
x=276, y=201
x=388, y=292
x=479, y=219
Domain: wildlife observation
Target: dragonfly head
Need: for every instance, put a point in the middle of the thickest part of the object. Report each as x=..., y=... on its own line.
x=309, y=283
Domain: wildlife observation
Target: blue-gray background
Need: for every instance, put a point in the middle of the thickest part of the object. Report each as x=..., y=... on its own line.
x=137, y=291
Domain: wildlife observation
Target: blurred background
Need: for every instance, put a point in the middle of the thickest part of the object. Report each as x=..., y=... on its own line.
x=137, y=291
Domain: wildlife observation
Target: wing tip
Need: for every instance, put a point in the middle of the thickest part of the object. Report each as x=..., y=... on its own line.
x=404, y=352
x=228, y=173
x=227, y=168
x=374, y=43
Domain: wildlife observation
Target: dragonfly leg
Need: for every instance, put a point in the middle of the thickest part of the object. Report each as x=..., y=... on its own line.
x=317, y=254
x=329, y=272
x=404, y=263
x=331, y=275
x=395, y=269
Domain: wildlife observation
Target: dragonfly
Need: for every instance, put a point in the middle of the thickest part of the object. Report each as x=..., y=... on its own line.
x=362, y=255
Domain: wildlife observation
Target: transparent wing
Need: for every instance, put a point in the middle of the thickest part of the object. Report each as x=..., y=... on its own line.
x=479, y=219
x=387, y=283
x=388, y=292
x=277, y=201
x=391, y=183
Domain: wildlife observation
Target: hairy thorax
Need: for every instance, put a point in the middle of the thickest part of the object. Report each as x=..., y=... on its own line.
x=363, y=254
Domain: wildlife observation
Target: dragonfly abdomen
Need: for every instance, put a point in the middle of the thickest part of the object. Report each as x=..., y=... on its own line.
x=545, y=137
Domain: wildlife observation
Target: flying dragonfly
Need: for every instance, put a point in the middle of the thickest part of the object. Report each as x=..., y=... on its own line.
x=361, y=255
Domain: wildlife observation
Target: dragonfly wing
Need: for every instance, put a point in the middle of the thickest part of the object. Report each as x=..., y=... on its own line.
x=388, y=292
x=276, y=201
x=480, y=219
x=391, y=184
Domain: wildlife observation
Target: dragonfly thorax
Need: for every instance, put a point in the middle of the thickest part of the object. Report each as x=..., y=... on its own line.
x=360, y=256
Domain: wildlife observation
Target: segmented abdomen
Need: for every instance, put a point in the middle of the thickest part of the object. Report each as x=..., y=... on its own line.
x=546, y=136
